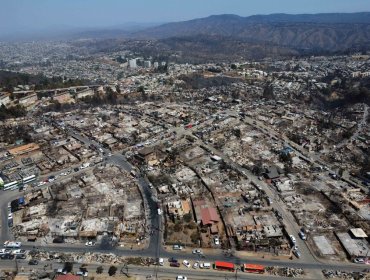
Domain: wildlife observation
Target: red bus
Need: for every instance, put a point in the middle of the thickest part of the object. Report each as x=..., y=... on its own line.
x=224, y=266
x=253, y=268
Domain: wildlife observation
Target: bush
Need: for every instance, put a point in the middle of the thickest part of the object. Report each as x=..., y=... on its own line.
x=112, y=270
x=195, y=236
x=99, y=270
x=188, y=218
x=68, y=267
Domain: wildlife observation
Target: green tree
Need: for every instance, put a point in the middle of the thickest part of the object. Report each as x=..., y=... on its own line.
x=99, y=269
x=68, y=267
x=112, y=270
x=188, y=218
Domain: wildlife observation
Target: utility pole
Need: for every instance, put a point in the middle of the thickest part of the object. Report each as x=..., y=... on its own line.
x=236, y=273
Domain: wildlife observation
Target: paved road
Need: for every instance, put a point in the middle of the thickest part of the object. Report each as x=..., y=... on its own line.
x=163, y=272
x=155, y=248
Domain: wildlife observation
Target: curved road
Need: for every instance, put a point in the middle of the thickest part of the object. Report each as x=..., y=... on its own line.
x=155, y=248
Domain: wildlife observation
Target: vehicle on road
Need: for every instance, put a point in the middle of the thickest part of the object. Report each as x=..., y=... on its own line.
x=205, y=265
x=82, y=273
x=186, y=263
x=172, y=260
x=5, y=251
x=219, y=265
x=12, y=244
x=58, y=239
x=196, y=265
x=180, y=277
x=90, y=243
x=217, y=241
x=20, y=256
x=297, y=253
x=85, y=165
x=41, y=183
x=7, y=257
x=197, y=251
x=302, y=235
x=33, y=262
x=177, y=247
x=19, y=252
x=175, y=264
x=359, y=260
x=253, y=268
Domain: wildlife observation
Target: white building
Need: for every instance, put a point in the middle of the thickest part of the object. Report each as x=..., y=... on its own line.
x=132, y=63
x=5, y=99
x=147, y=64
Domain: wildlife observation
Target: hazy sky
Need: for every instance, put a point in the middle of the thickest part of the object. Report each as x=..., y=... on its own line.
x=18, y=15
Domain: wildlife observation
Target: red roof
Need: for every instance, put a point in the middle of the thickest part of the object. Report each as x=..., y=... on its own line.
x=68, y=277
x=209, y=216
x=219, y=264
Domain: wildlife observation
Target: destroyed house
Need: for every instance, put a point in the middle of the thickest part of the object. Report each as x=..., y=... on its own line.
x=147, y=155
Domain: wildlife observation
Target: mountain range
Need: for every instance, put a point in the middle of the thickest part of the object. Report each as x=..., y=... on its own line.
x=331, y=32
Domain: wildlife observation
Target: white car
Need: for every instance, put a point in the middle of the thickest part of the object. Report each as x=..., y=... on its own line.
x=90, y=243
x=292, y=238
x=180, y=277
x=359, y=260
x=197, y=251
x=186, y=263
x=196, y=265
x=217, y=241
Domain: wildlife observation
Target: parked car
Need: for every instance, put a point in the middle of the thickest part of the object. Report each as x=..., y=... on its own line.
x=359, y=260
x=217, y=241
x=180, y=277
x=205, y=265
x=297, y=253
x=33, y=262
x=174, y=264
x=90, y=243
x=177, y=247
x=82, y=273
x=196, y=265
x=7, y=257
x=172, y=260
x=58, y=240
x=302, y=235
x=20, y=256
x=292, y=239
x=186, y=263
x=161, y=261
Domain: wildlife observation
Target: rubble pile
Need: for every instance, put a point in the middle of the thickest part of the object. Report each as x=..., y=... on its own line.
x=344, y=274
x=285, y=271
x=89, y=258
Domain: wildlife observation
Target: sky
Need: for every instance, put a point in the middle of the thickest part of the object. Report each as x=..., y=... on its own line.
x=30, y=15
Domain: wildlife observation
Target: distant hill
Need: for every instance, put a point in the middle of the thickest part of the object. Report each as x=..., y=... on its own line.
x=322, y=32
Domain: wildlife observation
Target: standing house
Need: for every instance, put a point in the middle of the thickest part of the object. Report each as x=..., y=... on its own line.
x=206, y=215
